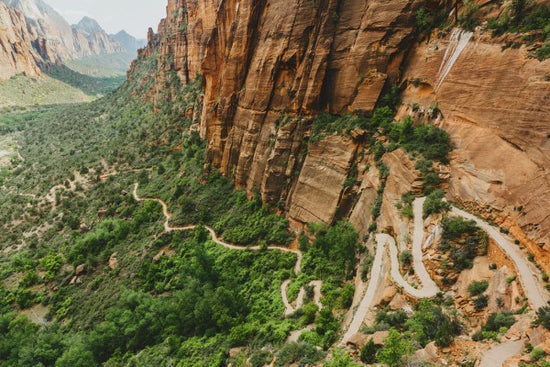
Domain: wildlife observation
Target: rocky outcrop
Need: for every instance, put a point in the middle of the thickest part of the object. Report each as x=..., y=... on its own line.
x=16, y=52
x=269, y=67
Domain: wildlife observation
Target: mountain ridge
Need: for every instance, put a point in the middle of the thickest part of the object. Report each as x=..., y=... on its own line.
x=52, y=40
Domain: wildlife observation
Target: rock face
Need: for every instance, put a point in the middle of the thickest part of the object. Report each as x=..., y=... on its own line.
x=495, y=106
x=33, y=34
x=268, y=67
x=91, y=39
x=16, y=52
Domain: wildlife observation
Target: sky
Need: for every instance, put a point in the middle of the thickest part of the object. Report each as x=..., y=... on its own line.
x=134, y=16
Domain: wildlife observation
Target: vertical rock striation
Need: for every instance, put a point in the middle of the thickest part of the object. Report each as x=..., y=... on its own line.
x=269, y=66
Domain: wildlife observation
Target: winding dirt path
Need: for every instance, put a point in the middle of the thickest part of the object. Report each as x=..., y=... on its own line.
x=429, y=288
x=289, y=309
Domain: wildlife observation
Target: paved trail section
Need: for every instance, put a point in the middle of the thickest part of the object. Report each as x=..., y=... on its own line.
x=499, y=354
x=289, y=309
x=532, y=287
x=429, y=288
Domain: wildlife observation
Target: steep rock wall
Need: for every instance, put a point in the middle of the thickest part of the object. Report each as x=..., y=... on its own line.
x=496, y=107
x=16, y=52
x=268, y=67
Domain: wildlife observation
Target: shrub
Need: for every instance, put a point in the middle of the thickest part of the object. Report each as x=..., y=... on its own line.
x=434, y=203
x=406, y=258
x=464, y=240
x=297, y=352
x=430, y=323
x=497, y=321
x=395, y=349
x=340, y=359
x=431, y=142
x=537, y=354
x=478, y=287
x=368, y=352
x=543, y=317
x=480, y=302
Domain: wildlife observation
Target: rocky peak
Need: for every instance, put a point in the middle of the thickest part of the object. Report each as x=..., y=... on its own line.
x=88, y=26
x=16, y=52
x=128, y=42
x=60, y=41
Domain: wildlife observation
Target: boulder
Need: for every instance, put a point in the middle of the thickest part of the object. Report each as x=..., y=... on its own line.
x=80, y=269
x=113, y=261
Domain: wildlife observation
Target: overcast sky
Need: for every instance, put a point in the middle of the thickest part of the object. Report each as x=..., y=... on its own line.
x=134, y=16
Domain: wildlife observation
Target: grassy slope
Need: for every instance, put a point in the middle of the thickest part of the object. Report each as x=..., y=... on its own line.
x=45, y=90
x=105, y=65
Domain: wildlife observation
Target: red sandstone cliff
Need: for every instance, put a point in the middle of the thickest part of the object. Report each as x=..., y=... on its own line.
x=269, y=66
x=16, y=52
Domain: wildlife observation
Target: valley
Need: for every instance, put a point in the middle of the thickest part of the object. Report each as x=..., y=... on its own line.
x=277, y=183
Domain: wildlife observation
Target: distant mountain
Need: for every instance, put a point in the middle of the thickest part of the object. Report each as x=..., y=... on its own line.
x=129, y=42
x=62, y=41
x=88, y=25
x=33, y=35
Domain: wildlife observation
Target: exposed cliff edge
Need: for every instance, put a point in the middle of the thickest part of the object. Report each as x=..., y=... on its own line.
x=268, y=67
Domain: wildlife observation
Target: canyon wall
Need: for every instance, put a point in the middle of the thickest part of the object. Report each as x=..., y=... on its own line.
x=269, y=67
x=16, y=52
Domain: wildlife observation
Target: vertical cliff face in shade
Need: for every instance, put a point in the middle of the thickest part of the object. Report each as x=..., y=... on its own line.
x=269, y=67
x=16, y=52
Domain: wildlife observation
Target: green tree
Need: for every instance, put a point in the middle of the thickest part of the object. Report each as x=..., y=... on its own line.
x=76, y=355
x=396, y=349
x=368, y=352
x=340, y=359
x=543, y=317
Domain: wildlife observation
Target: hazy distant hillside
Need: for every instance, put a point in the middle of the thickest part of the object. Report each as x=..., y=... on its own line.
x=129, y=42
x=62, y=41
x=36, y=35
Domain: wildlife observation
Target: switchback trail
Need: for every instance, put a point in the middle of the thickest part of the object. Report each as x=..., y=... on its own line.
x=289, y=309
x=536, y=295
x=429, y=288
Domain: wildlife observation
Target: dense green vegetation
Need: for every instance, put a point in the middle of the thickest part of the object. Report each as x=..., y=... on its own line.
x=430, y=322
x=528, y=18
x=426, y=140
x=88, y=84
x=463, y=240
x=174, y=297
